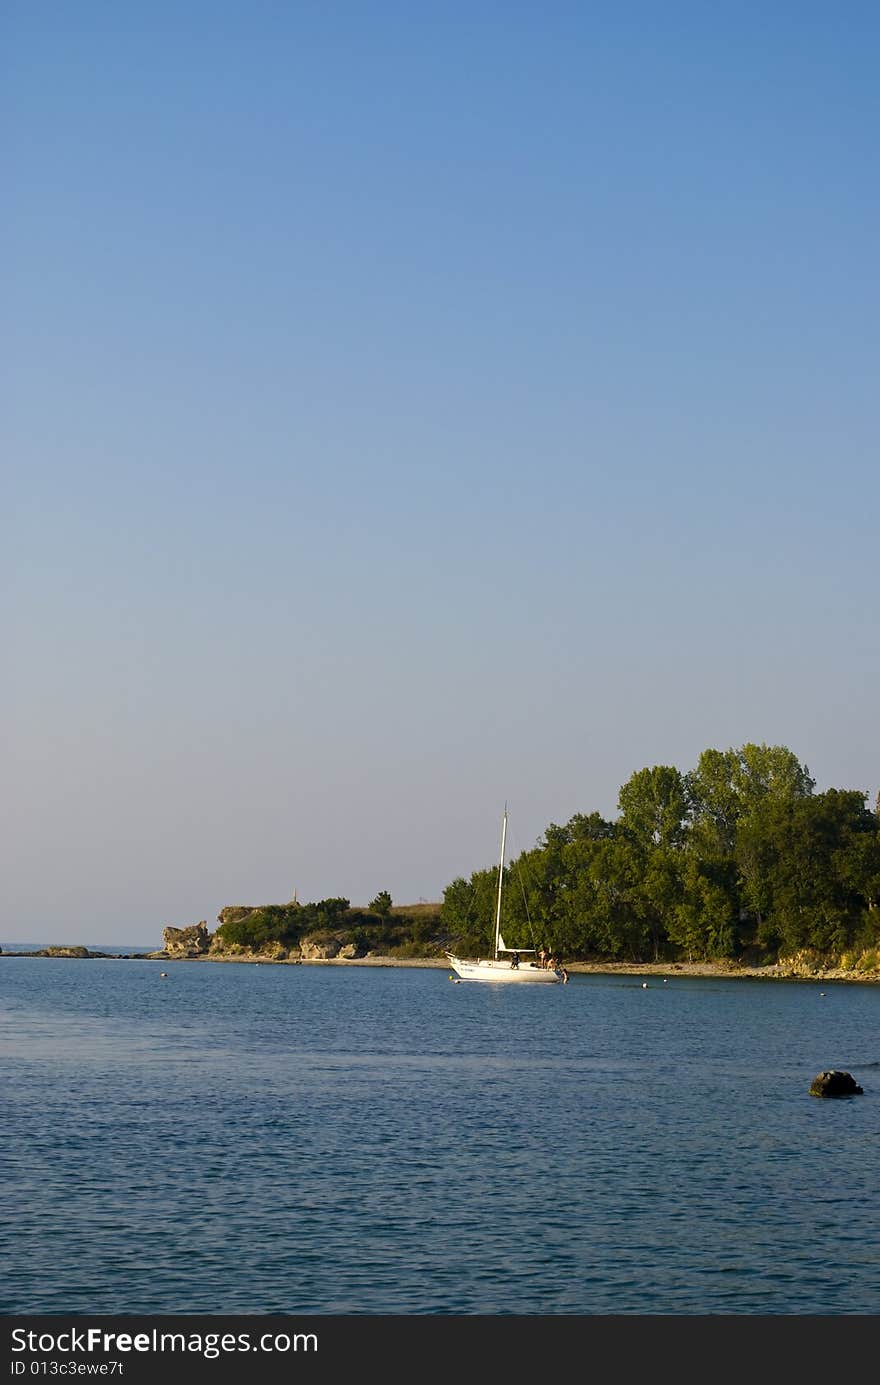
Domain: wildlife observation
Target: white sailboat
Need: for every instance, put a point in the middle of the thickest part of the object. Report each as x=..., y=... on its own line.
x=506, y=964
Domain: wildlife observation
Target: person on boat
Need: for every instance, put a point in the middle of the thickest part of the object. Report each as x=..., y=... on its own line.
x=514, y=961
x=542, y=958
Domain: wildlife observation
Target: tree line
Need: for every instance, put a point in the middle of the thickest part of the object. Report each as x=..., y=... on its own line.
x=738, y=857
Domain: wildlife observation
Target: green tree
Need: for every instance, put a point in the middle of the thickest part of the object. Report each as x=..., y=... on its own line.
x=654, y=806
x=618, y=925
x=329, y=913
x=657, y=894
x=381, y=904
x=808, y=862
x=857, y=859
x=727, y=785
x=272, y=923
x=702, y=921
x=468, y=910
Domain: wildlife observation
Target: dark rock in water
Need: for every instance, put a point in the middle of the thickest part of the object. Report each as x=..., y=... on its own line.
x=835, y=1083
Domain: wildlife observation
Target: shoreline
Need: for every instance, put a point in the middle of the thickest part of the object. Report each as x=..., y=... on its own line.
x=779, y=971
x=717, y=970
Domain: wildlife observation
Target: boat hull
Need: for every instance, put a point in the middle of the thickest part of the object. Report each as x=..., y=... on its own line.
x=501, y=972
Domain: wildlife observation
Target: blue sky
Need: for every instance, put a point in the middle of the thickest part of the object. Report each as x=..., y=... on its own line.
x=411, y=408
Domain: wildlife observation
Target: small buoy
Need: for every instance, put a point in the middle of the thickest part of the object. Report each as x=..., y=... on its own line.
x=644, y=985
x=821, y=993
x=163, y=973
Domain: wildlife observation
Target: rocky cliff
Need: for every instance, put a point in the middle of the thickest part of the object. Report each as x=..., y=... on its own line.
x=323, y=947
x=234, y=913
x=186, y=942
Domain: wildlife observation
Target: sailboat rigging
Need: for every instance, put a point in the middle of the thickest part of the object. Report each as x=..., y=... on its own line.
x=505, y=963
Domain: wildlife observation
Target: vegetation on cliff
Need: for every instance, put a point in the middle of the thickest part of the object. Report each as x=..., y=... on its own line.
x=406, y=932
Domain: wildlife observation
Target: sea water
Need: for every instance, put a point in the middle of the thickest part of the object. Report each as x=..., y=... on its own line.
x=320, y=1139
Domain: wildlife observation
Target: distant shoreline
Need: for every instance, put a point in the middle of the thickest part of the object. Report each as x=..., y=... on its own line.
x=779, y=971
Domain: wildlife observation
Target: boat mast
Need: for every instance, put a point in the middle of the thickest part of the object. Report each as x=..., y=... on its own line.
x=500, y=879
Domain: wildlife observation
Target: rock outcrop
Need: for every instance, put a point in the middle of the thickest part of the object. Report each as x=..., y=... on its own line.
x=186, y=942
x=808, y=965
x=835, y=1083
x=352, y=951
x=319, y=948
x=234, y=913
x=325, y=947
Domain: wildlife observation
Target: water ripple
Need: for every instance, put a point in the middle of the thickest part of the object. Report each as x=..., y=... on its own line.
x=294, y=1140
